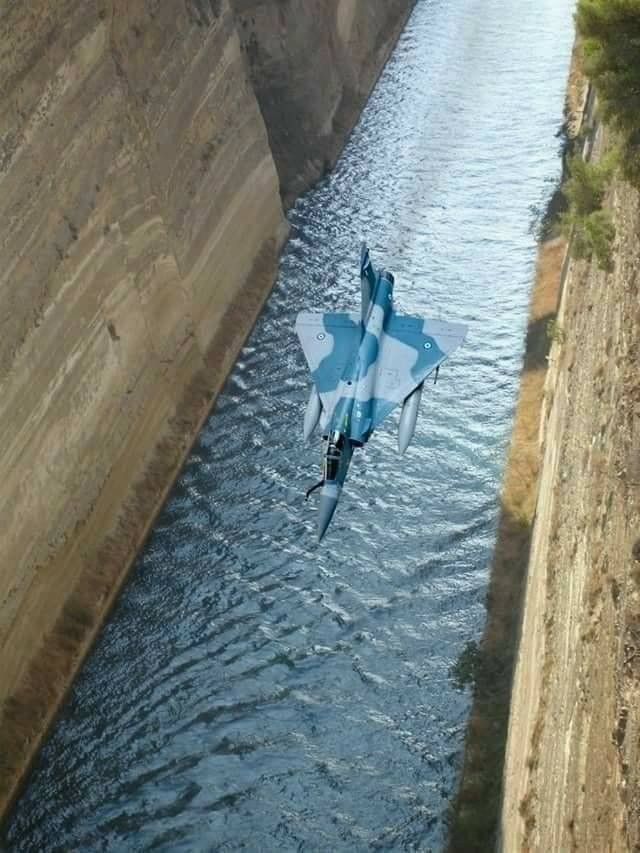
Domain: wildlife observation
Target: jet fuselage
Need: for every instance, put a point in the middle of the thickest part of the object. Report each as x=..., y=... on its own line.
x=353, y=411
x=356, y=392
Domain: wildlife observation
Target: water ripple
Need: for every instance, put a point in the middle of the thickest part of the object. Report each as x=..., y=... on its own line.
x=253, y=690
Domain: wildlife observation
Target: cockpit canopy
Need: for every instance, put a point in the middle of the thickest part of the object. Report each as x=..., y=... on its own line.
x=333, y=456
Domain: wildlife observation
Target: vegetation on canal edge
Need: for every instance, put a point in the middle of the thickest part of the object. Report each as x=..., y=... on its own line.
x=610, y=45
x=589, y=225
x=610, y=33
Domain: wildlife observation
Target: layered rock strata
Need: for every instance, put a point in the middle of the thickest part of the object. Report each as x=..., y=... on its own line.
x=312, y=66
x=140, y=224
x=136, y=191
x=571, y=773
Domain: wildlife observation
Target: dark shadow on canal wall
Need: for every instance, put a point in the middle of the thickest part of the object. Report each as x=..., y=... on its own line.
x=488, y=668
x=539, y=340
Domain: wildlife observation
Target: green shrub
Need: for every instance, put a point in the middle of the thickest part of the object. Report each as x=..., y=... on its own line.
x=630, y=157
x=591, y=229
x=555, y=332
x=587, y=184
x=610, y=30
x=592, y=237
x=600, y=233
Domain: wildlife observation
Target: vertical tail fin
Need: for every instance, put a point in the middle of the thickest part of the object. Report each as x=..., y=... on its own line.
x=367, y=280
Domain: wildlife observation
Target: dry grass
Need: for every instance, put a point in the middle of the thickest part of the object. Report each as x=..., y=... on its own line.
x=476, y=809
x=26, y=715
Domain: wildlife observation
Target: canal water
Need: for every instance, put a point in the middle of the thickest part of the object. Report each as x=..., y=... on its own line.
x=254, y=690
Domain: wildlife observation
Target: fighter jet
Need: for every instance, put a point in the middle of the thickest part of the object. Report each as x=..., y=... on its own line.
x=362, y=366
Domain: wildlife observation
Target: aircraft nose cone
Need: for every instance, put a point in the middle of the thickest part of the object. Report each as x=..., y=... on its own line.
x=328, y=503
x=403, y=443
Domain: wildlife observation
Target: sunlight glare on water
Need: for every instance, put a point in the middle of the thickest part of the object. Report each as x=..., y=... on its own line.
x=253, y=690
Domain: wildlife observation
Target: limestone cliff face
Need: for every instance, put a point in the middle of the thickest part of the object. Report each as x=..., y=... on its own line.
x=572, y=777
x=137, y=190
x=312, y=66
x=140, y=224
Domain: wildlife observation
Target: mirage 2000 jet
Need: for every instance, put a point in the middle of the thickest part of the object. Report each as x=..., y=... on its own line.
x=363, y=365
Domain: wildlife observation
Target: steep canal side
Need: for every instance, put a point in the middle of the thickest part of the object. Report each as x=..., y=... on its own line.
x=572, y=773
x=254, y=689
x=140, y=225
x=489, y=665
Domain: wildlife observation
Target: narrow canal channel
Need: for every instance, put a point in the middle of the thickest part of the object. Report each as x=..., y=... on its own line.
x=252, y=689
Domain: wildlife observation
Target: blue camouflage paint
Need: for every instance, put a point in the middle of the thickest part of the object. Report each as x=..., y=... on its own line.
x=366, y=268
x=368, y=354
x=427, y=357
x=342, y=357
x=361, y=420
x=371, y=374
x=384, y=293
x=380, y=410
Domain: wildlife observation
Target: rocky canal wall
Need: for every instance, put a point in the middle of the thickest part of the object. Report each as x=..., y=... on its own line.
x=571, y=768
x=144, y=150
